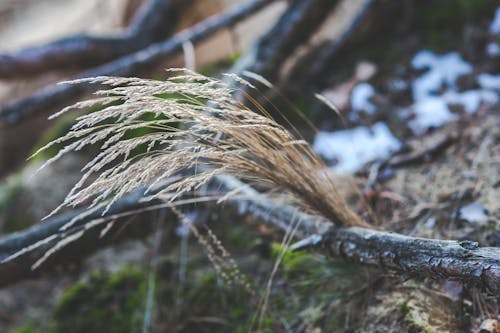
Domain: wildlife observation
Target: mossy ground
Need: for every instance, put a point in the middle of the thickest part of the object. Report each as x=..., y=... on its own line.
x=301, y=295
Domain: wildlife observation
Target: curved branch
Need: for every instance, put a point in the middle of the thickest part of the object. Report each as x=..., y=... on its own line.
x=154, y=21
x=301, y=19
x=53, y=96
x=311, y=69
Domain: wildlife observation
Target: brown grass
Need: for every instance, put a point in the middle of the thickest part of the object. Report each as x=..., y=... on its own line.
x=193, y=122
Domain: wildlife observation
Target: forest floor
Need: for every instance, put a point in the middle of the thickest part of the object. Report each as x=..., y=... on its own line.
x=403, y=168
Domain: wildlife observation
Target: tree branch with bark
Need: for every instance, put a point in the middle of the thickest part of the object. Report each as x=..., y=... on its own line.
x=155, y=21
x=54, y=96
x=462, y=261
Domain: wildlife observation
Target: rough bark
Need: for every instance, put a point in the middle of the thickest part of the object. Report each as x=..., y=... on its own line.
x=438, y=259
x=54, y=96
x=463, y=261
x=295, y=27
x=315, y=66
x=154, y=21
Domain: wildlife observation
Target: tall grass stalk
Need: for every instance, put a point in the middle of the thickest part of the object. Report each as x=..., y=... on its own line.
x=191, y=122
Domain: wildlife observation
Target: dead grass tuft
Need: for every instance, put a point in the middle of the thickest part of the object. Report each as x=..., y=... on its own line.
x=191, y=121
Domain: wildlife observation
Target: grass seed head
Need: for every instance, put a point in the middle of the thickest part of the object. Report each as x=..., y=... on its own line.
x=191, y=121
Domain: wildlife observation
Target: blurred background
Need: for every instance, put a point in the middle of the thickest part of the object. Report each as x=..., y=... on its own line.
x=400, y=99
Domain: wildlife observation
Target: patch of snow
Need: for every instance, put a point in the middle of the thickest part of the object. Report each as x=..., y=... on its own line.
x=431, y=107
x=430, y=223
x=474, y=213
x=495, y=24
x=398, y=85
x=355, y=147
x=470, y=100
x=426, y=85
x=360, y=98
x=445, y=69
x=430, y=112
x=489, y=81
x=493, y=49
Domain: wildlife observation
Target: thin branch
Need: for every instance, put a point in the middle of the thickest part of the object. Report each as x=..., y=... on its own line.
x=423, y=155
x=295, y=27
x=52, y=97
x=327, y=55
x=154, y=21
x=426, y=154
x=40, y=238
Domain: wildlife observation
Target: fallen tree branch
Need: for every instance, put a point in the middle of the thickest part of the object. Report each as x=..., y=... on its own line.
x=463, y=261
x=329, y=53
x=309, y=70
x=51, y=97
x=438, y=259
x=154, y=21
x=295, y=26
x=40, y=238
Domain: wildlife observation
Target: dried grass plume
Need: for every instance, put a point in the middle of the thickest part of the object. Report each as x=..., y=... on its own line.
x=149, y=131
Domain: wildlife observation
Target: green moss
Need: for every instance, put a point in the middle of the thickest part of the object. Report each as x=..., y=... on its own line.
x=207, y=296
x=441, y=13
x=60, y=127
x=424, y=311
x=220, y=66
x=10, y=211
x=111, y=303
x=315, y=266
x=438, y=19
x=25, y=328
x=238, y=237
x=416, y=320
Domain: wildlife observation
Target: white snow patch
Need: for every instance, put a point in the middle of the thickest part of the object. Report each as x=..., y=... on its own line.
x=493, y=49
x=360, y=98
x=474, y=213
x=355, y=147
x=430, y=112
x=445, y=69
x=470, y=100
x=489, y=81
x=495, y=24
x=431, y=108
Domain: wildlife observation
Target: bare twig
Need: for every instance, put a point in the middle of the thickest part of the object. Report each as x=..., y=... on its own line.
x=51, y=97
x=154, y=21
x=415, y=157
x=423, y=155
